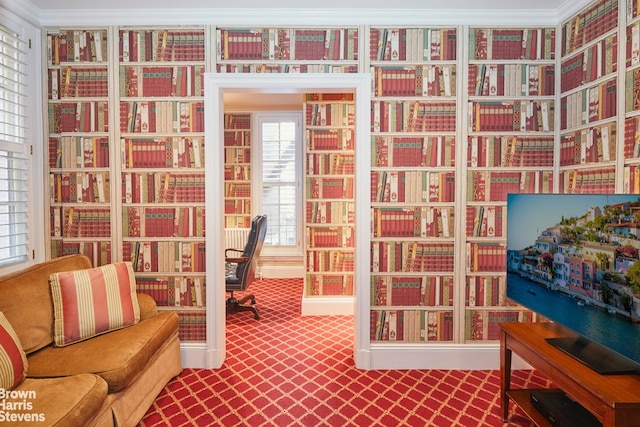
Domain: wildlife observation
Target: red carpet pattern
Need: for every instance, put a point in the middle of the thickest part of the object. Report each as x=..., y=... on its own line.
x=289, y=370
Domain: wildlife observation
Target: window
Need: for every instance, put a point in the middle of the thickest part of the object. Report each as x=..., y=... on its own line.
x=15, y=158
x=279, y=168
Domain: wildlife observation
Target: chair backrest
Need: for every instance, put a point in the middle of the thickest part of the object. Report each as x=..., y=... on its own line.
x=246, y=271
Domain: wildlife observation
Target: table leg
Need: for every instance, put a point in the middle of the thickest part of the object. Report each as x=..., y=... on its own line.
x=505, y=376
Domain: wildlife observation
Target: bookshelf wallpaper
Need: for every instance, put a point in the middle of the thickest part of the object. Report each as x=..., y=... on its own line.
x=589, y=100
x=631, y=145
x=79, y=145
x=510, y=149
x=329, y=121
x=460, y=116
x=161, y=128
x=237, y=170
x=413, y=158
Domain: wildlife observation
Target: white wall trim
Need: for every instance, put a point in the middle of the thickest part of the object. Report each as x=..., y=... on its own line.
x=327, y=306
x=36, y=92
x=439, y=356
x=24, y=10
x=307, y=16
x=570, y=9
x=196, y=355
x=214, y=220
x=282, y=271
x=219, y=84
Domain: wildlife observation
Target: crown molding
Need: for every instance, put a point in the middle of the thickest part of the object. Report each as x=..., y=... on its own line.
x=292, y=16
x=298, y=17
x=569, y=9
x=23, y=10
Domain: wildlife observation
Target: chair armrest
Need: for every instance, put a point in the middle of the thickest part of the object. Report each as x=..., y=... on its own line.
x=237, y=260
x=232, y=250
x=148, y=306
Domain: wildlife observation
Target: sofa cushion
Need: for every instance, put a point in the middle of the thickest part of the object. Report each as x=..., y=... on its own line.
x=118, y=356
x=25, y=299
x=148, y=306
x=13, y=361
x=69, y=401
x=93, y=301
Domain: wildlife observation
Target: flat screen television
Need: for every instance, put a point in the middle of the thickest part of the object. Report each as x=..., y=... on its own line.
x=573, y=258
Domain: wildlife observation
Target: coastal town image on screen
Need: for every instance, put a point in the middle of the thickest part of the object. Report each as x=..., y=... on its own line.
x=583, y=246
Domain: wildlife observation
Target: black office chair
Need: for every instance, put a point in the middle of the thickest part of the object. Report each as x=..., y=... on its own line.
x=244, y=274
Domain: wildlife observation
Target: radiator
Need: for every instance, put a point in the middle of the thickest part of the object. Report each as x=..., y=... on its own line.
x=236, y=238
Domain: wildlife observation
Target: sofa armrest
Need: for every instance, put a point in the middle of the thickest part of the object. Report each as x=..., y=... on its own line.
x=148, y=307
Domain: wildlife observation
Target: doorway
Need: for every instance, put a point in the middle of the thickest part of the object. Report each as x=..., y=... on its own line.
x=217, y=85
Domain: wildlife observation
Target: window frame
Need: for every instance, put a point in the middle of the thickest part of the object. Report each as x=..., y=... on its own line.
x=36, y=222
x=269, y=117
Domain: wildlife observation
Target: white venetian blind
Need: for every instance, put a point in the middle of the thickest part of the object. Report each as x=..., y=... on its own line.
x=279, y=180
x=14, y=149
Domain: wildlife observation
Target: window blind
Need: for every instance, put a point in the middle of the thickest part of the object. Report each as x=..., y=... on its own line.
x=15, y=158
x=279, y=181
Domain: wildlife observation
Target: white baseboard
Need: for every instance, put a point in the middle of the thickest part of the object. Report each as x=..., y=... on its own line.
x=327, y=306
x=437, y=356
x=283, y=271
x=196, y=355
x=463, y=357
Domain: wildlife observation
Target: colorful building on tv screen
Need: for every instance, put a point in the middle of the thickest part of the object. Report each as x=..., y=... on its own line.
x=593, y=258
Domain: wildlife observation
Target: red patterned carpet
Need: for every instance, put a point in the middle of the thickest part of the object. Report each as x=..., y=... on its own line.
x=289, y=370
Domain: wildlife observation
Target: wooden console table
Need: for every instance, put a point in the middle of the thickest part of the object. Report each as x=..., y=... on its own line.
x=613, y=399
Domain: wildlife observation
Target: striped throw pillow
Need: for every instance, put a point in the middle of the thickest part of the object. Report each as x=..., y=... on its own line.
x=94, y=301
x=13, y=360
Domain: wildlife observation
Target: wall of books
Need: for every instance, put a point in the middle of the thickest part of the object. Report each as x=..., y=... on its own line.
x=286, y=50
x=510, y=149
x=455, y=127
x=413, y=159
x=237, y=170
x=589, y=100
x=329, y=121
x=161, y=112
x=631, y=151
x=80, y=147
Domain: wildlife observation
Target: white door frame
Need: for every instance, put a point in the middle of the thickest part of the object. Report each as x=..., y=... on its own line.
x=212, y=355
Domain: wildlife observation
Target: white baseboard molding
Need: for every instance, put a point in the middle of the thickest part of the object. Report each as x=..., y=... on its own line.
x=437, y=356
x=281, y=271
x=463, y=357
x=328, y=306
x=196, y=355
